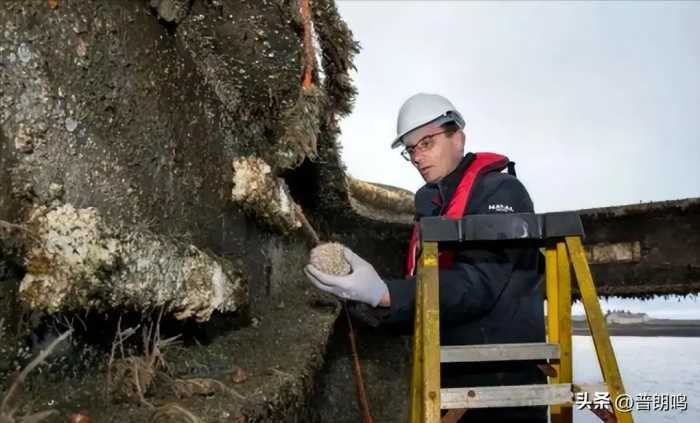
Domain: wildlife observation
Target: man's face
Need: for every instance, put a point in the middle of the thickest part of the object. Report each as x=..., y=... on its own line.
x=442, y=155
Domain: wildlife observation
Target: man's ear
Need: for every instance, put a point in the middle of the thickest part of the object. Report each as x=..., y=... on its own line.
x=461, y=138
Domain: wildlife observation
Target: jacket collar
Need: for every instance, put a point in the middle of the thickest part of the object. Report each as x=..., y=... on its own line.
x=447, y=185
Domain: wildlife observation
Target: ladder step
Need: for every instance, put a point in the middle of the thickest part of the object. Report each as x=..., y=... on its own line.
x=498, y=352
x=506, y=396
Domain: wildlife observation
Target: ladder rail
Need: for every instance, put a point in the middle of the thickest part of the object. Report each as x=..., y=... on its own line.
x=425, y=388
x=416, y=411
x=597, y=325
x=552, y=286
x=565, y=261
x=566, y=372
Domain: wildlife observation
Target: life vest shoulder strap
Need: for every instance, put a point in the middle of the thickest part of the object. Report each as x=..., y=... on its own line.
x=482, y=164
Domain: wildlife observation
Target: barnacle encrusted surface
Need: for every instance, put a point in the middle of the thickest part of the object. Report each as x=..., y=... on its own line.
x=330, y=258
x=258, y=191
x=76, y=261
x=301, y=125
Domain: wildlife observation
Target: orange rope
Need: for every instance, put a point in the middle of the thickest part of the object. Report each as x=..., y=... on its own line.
x=308, y=46
x=360, y=391
x=362, y=400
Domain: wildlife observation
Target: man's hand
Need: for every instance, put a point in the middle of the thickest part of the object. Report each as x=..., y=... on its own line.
x=363, y=284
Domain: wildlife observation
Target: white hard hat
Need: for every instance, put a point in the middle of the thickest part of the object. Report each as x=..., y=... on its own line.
x=422, y=109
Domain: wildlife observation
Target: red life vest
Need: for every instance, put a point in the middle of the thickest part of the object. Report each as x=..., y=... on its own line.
x=483, y=163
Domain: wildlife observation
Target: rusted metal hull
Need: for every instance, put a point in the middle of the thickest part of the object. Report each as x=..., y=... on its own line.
x=645, y=249
x=637, y=250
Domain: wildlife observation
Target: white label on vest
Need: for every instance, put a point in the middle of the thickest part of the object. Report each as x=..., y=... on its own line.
x=500, y=208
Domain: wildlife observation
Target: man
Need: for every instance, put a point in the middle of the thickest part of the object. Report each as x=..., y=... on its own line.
x=488, y=295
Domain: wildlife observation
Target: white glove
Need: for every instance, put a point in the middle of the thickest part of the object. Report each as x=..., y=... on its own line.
x=363, y=284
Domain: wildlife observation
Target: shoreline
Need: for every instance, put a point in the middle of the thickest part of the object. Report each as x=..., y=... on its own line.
x=654, y=327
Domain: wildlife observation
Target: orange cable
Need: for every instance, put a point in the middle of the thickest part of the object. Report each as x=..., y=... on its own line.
x=362, y=400
x=308, y=47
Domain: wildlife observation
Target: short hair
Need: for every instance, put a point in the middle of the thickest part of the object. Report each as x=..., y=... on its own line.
x=450, y=127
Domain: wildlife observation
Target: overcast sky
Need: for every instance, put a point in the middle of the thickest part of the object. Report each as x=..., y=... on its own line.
x=598, y=103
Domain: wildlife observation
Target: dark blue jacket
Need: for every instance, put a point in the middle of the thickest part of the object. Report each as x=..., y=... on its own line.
x=492, y=295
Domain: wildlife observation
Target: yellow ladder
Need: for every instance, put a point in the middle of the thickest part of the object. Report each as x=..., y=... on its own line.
x=560, y=234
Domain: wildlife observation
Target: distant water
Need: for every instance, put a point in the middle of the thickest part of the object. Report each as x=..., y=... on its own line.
x=648, y=365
